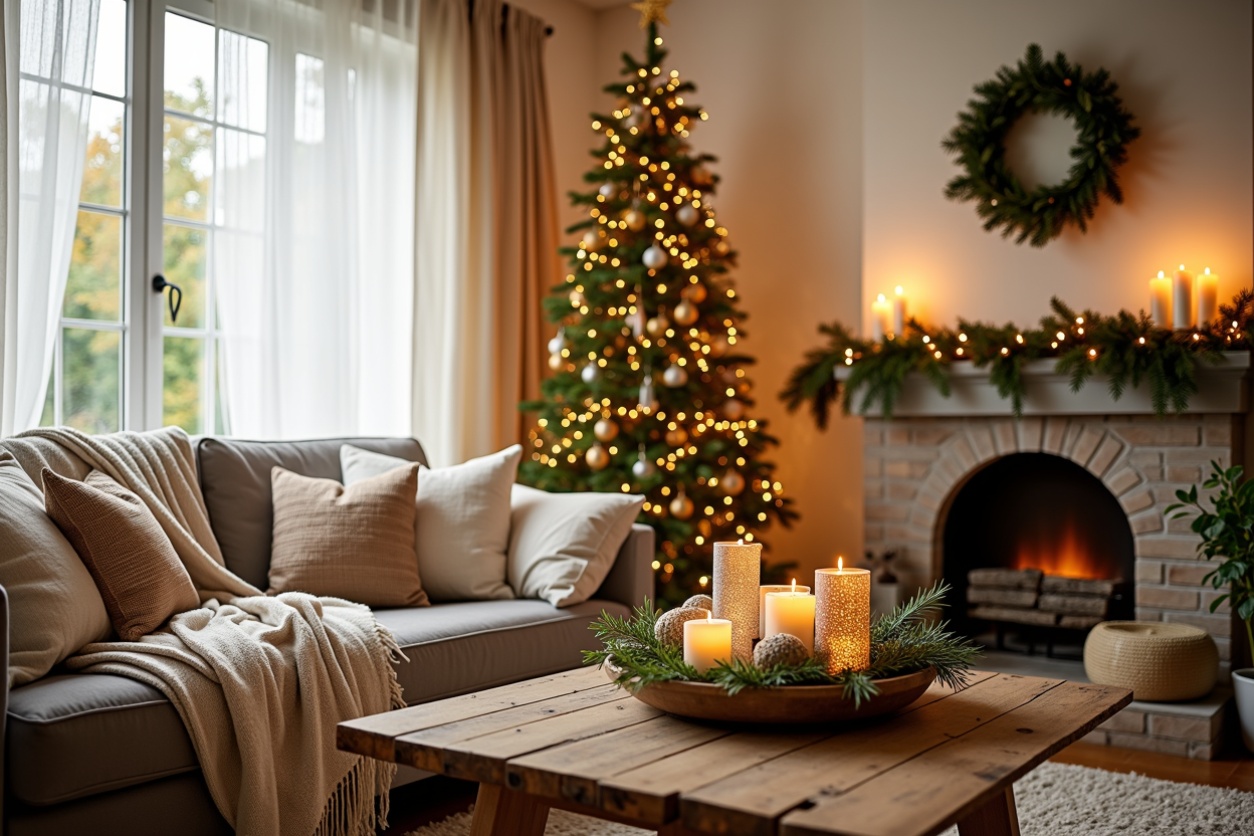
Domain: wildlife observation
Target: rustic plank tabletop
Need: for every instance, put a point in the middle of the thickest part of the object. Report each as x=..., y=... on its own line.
x=574, y=741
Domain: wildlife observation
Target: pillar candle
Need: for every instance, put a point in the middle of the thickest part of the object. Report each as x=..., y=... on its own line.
x=1160, y=301
x=899, y=311
x=707, y=642
x=762, y=590
x=1182, y=299
x=1207, y=297
x=791, y=612
x=842, y=619
x=881, y=317
x=737, y=575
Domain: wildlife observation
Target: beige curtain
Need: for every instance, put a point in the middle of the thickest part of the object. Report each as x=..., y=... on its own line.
x=486, y=239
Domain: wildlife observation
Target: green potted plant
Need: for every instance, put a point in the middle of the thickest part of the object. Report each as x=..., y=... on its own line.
x=1227, y=532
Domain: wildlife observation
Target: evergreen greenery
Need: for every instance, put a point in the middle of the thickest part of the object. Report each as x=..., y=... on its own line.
x=906, y=640
x=1125, y=350
x=1104, y=128
x=696, y=454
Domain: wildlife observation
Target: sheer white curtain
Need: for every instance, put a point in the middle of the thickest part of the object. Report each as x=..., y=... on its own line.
x=315, y=260
x=486, y=241
x=46, y=109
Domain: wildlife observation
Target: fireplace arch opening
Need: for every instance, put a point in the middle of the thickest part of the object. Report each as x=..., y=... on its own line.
x=1037, y=543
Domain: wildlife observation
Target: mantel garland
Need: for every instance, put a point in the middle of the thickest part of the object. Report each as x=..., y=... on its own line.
x=1124, y=348
x=1104, y=128
x=906, y=640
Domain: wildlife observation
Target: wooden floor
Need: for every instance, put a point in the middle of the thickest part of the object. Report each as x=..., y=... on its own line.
x=437, y=798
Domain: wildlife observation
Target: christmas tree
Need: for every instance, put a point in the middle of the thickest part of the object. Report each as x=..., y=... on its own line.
x=649, y=393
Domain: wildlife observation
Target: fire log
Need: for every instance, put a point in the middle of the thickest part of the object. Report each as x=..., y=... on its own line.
x=1006, y=578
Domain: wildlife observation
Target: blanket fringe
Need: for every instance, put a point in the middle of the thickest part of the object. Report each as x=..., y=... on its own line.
x=360, y=804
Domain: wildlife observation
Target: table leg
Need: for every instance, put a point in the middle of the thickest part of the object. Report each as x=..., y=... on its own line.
x=996, y=818
x=503, y=812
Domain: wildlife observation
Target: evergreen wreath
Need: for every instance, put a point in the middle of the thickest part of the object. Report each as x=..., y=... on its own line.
x=1104, y=129
x=906, y=640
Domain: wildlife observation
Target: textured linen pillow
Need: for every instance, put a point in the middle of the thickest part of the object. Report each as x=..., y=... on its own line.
x=355, y=542
x=462, y=523
x=136, y=569
x=54, y=608
x=562, y=545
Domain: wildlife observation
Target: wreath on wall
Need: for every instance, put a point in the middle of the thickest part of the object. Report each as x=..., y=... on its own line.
x=1103, y=126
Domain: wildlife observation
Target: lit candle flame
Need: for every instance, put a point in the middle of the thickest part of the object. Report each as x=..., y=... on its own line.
x=709, y=616
x=1181, y=266
x=740, y=542
x=899, y=291
x=794, y=586
x=840, y=564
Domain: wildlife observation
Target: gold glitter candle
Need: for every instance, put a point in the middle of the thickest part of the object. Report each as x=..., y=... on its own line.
x=842, y=618
x=737, y=574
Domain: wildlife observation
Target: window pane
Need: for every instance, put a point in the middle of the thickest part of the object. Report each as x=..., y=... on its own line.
x=185, y=258
x=311, y=100
x=182, y=363
x=241, y=184
x=188, y=167
x=109, y=75
x=91, y=380
x=49, y=415
x=220, y=424
x=188, y=65
x=94, y=288
x=102, y=170
x=242, y=73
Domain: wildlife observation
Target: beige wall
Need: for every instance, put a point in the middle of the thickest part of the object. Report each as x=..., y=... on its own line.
x=1184, y=70
x=782, y=85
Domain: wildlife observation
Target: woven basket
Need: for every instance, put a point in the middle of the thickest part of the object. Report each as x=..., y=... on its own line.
x=1159, y=661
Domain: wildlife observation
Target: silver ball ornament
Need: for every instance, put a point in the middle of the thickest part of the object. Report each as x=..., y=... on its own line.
x=591, y=240
x=655, y=258
x=687, y=214
x=647, y=398
x=577, y=299
x=675, y=376
x=608, y=190
x=591, y=373
x=557, y=362
x=605, y=430
x=657, y=325
x=643, y=468
x=557, y=343
x=734, y=409
x=780, y=649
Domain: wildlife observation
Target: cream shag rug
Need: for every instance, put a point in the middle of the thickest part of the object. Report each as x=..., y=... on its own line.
x=1054, y=800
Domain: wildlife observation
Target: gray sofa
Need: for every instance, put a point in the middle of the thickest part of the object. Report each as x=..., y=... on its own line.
x=102, y=754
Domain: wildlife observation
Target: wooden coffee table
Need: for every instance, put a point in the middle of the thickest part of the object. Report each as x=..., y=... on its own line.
x=574, y=741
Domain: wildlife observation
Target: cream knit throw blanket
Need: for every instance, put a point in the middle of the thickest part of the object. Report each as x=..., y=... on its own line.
x=259, y=682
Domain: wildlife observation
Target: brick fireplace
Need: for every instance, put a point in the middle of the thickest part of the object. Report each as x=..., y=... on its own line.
x=916, y=463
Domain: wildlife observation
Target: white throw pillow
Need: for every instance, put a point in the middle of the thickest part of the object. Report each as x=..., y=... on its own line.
x=462, y=523
x=563, y=544
x=54, y=606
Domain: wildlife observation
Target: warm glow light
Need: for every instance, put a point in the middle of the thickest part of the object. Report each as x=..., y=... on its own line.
x=840, y=565
x=1062, y=552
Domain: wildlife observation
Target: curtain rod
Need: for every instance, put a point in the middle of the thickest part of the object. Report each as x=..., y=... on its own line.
x=548, y=30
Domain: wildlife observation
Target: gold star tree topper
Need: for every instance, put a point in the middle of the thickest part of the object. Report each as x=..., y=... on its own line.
x=652, y=11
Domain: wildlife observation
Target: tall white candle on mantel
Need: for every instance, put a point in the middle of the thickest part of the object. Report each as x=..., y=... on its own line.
x=737, y=576
x=707, y=642
x=881, y=317
x=1160, y=300
x=1182, y=299
x=791, y=612
x=1207, y=297
x=899, y=311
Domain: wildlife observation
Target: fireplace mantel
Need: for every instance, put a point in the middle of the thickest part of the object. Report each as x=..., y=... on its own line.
x=1222, y=389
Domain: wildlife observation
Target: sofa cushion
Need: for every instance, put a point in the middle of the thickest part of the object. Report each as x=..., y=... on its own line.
x=75, y=735
x=467, y=646
x=235, y=479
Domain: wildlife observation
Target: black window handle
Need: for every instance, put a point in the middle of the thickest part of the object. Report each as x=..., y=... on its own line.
x=159, y=284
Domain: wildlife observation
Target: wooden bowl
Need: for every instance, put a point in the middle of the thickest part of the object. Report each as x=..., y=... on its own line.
x=785, y=705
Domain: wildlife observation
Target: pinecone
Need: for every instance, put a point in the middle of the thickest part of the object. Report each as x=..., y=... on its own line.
x=780, y=649
x=670, y=626
x=701, y=602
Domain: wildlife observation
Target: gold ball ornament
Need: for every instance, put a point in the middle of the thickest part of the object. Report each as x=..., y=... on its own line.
x=779, y=649
x=634, y=219
x=591, y=239
x=577, y=299
x=732, y=483
x=669, y=629
x=687, y=214
x=700, y=602
x=719, y=345
x=694, y=293
x=722, y=248
x=657, y=325
x=557, y=362
x=681, y=509
x=734, y=409
x=686, y=313
x=676, y=436
x=596, y=457
x=674, y=377
x=605, y=430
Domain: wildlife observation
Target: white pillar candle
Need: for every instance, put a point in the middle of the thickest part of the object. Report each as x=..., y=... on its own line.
x=899, y=311
x=842, y=620
x=1207, y=297
x=737, y=575
x=791, y=612
x=1182, y=299
x=1160, y=300
x=881, y=317
x=762, y=590
x=708, y=642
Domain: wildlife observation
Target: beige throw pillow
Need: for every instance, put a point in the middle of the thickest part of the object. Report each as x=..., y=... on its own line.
x=352, y=542
x=462, y=522
x=562, y=545
x=136, y=569
x=54, y=608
